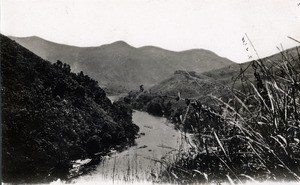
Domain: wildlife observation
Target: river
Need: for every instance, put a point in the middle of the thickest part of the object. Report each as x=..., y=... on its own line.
x=158, y=142
x=140, y=164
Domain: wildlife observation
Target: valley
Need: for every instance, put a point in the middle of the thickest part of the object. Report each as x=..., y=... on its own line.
x=146, y=114
x=129, y=92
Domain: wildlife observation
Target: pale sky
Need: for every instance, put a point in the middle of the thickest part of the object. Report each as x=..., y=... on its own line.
x=171, y=24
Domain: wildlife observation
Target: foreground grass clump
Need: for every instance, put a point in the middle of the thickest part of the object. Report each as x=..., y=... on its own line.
x=51, y=116
x=254, y=136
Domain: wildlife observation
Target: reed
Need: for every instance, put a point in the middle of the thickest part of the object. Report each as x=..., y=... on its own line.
x=254, y=136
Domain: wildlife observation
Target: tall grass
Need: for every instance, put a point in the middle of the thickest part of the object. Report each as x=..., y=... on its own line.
x=254, y=136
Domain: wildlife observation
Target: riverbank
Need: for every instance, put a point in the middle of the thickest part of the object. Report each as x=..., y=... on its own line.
x=157, y=144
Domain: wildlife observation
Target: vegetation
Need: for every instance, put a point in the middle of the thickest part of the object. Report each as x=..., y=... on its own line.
x=51, y=116
x=247, y=132
x=254, y=136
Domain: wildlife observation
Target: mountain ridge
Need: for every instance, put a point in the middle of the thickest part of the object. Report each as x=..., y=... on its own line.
x=119, y=64
x=114, y=42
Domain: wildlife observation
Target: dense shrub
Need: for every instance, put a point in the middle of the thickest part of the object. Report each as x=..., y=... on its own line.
x=155, y=108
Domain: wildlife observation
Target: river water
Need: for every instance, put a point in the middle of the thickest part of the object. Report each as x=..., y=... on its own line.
x=158, y=143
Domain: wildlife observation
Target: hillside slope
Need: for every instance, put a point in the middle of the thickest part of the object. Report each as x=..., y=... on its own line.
x=51, y=116
x=190, y=85
x=120, y=65
x=228, y=74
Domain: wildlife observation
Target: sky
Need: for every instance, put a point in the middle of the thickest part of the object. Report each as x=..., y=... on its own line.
x=175, y=25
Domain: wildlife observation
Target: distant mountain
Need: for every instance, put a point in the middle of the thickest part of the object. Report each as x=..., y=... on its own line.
x=162, y=98
x=216, y=82
x=119, y=65
x=195, y=85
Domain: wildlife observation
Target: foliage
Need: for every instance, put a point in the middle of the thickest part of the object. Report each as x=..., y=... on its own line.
x=254, y=136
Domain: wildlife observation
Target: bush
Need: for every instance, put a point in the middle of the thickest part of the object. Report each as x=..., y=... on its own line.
x=93, y=145
x=155, y=108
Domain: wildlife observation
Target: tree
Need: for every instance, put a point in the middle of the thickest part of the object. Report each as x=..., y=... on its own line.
x=141, y=88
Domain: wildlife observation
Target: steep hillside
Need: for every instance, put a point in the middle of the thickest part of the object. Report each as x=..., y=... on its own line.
x=51, y=116
x=120, y=65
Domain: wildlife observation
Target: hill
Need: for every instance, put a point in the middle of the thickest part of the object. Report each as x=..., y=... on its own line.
x=190, y=85
x=165, y=98
x=162, y=98
x=119, y=65
x=51, y=116
x=227, y=75
x=217, y=82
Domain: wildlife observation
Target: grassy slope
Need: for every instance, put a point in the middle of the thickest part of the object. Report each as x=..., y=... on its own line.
x=226, y=75
x=51, y=116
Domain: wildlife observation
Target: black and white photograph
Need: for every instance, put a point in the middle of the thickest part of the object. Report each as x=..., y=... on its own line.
x=165, y=92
